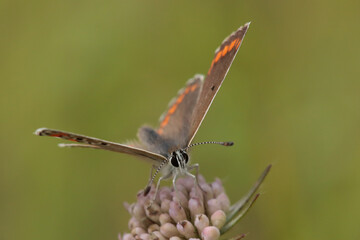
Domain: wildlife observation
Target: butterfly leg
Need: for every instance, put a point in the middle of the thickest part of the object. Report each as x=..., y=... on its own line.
x=151, y=173
x=175, y=189
x=158, y=184
x=195, y=177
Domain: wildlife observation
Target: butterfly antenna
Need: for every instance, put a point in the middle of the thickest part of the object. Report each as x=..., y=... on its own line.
x=209, y=142
x=148, y=187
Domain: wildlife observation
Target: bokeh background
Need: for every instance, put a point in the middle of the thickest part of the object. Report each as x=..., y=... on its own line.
x=104, y=68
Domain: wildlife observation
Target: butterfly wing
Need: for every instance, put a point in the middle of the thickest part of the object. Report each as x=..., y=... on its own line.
x=175, y=122
x=152, y=141
x=220, y=65
x=90, y=142
x=186, y=112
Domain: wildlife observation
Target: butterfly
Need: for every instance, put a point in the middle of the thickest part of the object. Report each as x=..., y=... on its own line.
x=167, y=146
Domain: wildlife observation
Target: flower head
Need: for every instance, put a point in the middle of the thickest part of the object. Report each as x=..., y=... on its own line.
x=189, y=212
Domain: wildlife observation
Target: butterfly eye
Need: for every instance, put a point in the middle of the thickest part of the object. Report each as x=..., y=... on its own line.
x=174, y=161
x=185, y=156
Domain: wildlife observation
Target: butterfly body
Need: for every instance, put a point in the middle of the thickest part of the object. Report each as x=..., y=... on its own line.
x=167, y=146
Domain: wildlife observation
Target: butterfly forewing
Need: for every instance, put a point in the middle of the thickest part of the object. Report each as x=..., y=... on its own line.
x=220, y=65
x=100, y=144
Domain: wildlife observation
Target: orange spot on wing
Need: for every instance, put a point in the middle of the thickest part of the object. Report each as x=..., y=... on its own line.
x=227, y=48
x=224, y=51
x=173, y=108
x=63, y=135
x=179, y=100
x=218, y=56
x=165, y=121
x=193, y=87
x=59, y=135
x=233, y=43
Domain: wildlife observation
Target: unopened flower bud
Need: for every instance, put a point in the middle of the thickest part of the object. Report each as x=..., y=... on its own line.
x=145, y=236
x=138, y=211
x=128, y=236
x=196, y=207
x=201, y=221
x=137, y=231
x=224, y=202
x=213, y=206
x=210, y=233
x=164, y=218
x=207, y=191
x=181, y=198
x=165, y=193
x=186, y=229
x=153, y=212
x=196, y=192
x=188, y=183
x=182, y=189
x=175, y=238
x=169, y=230
x=217, y=187
x=177, y=212
x=201, y=179
x=165, y=205
x=153, y=228
x=218, y=219
x=133, y=223
x=157, y=235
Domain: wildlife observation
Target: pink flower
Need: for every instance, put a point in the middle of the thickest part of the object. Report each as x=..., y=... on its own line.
x=189, y=213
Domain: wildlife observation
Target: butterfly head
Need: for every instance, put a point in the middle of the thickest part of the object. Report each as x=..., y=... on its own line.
x=179, y=159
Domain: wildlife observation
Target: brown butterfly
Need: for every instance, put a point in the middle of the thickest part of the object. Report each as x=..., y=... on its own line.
x=167, y=146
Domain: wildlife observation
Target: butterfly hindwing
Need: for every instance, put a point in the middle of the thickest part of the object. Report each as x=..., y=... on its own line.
x=152, y=141
x=175, y=122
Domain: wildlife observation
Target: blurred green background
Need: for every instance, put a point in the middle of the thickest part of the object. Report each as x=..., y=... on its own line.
x=104, y=68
